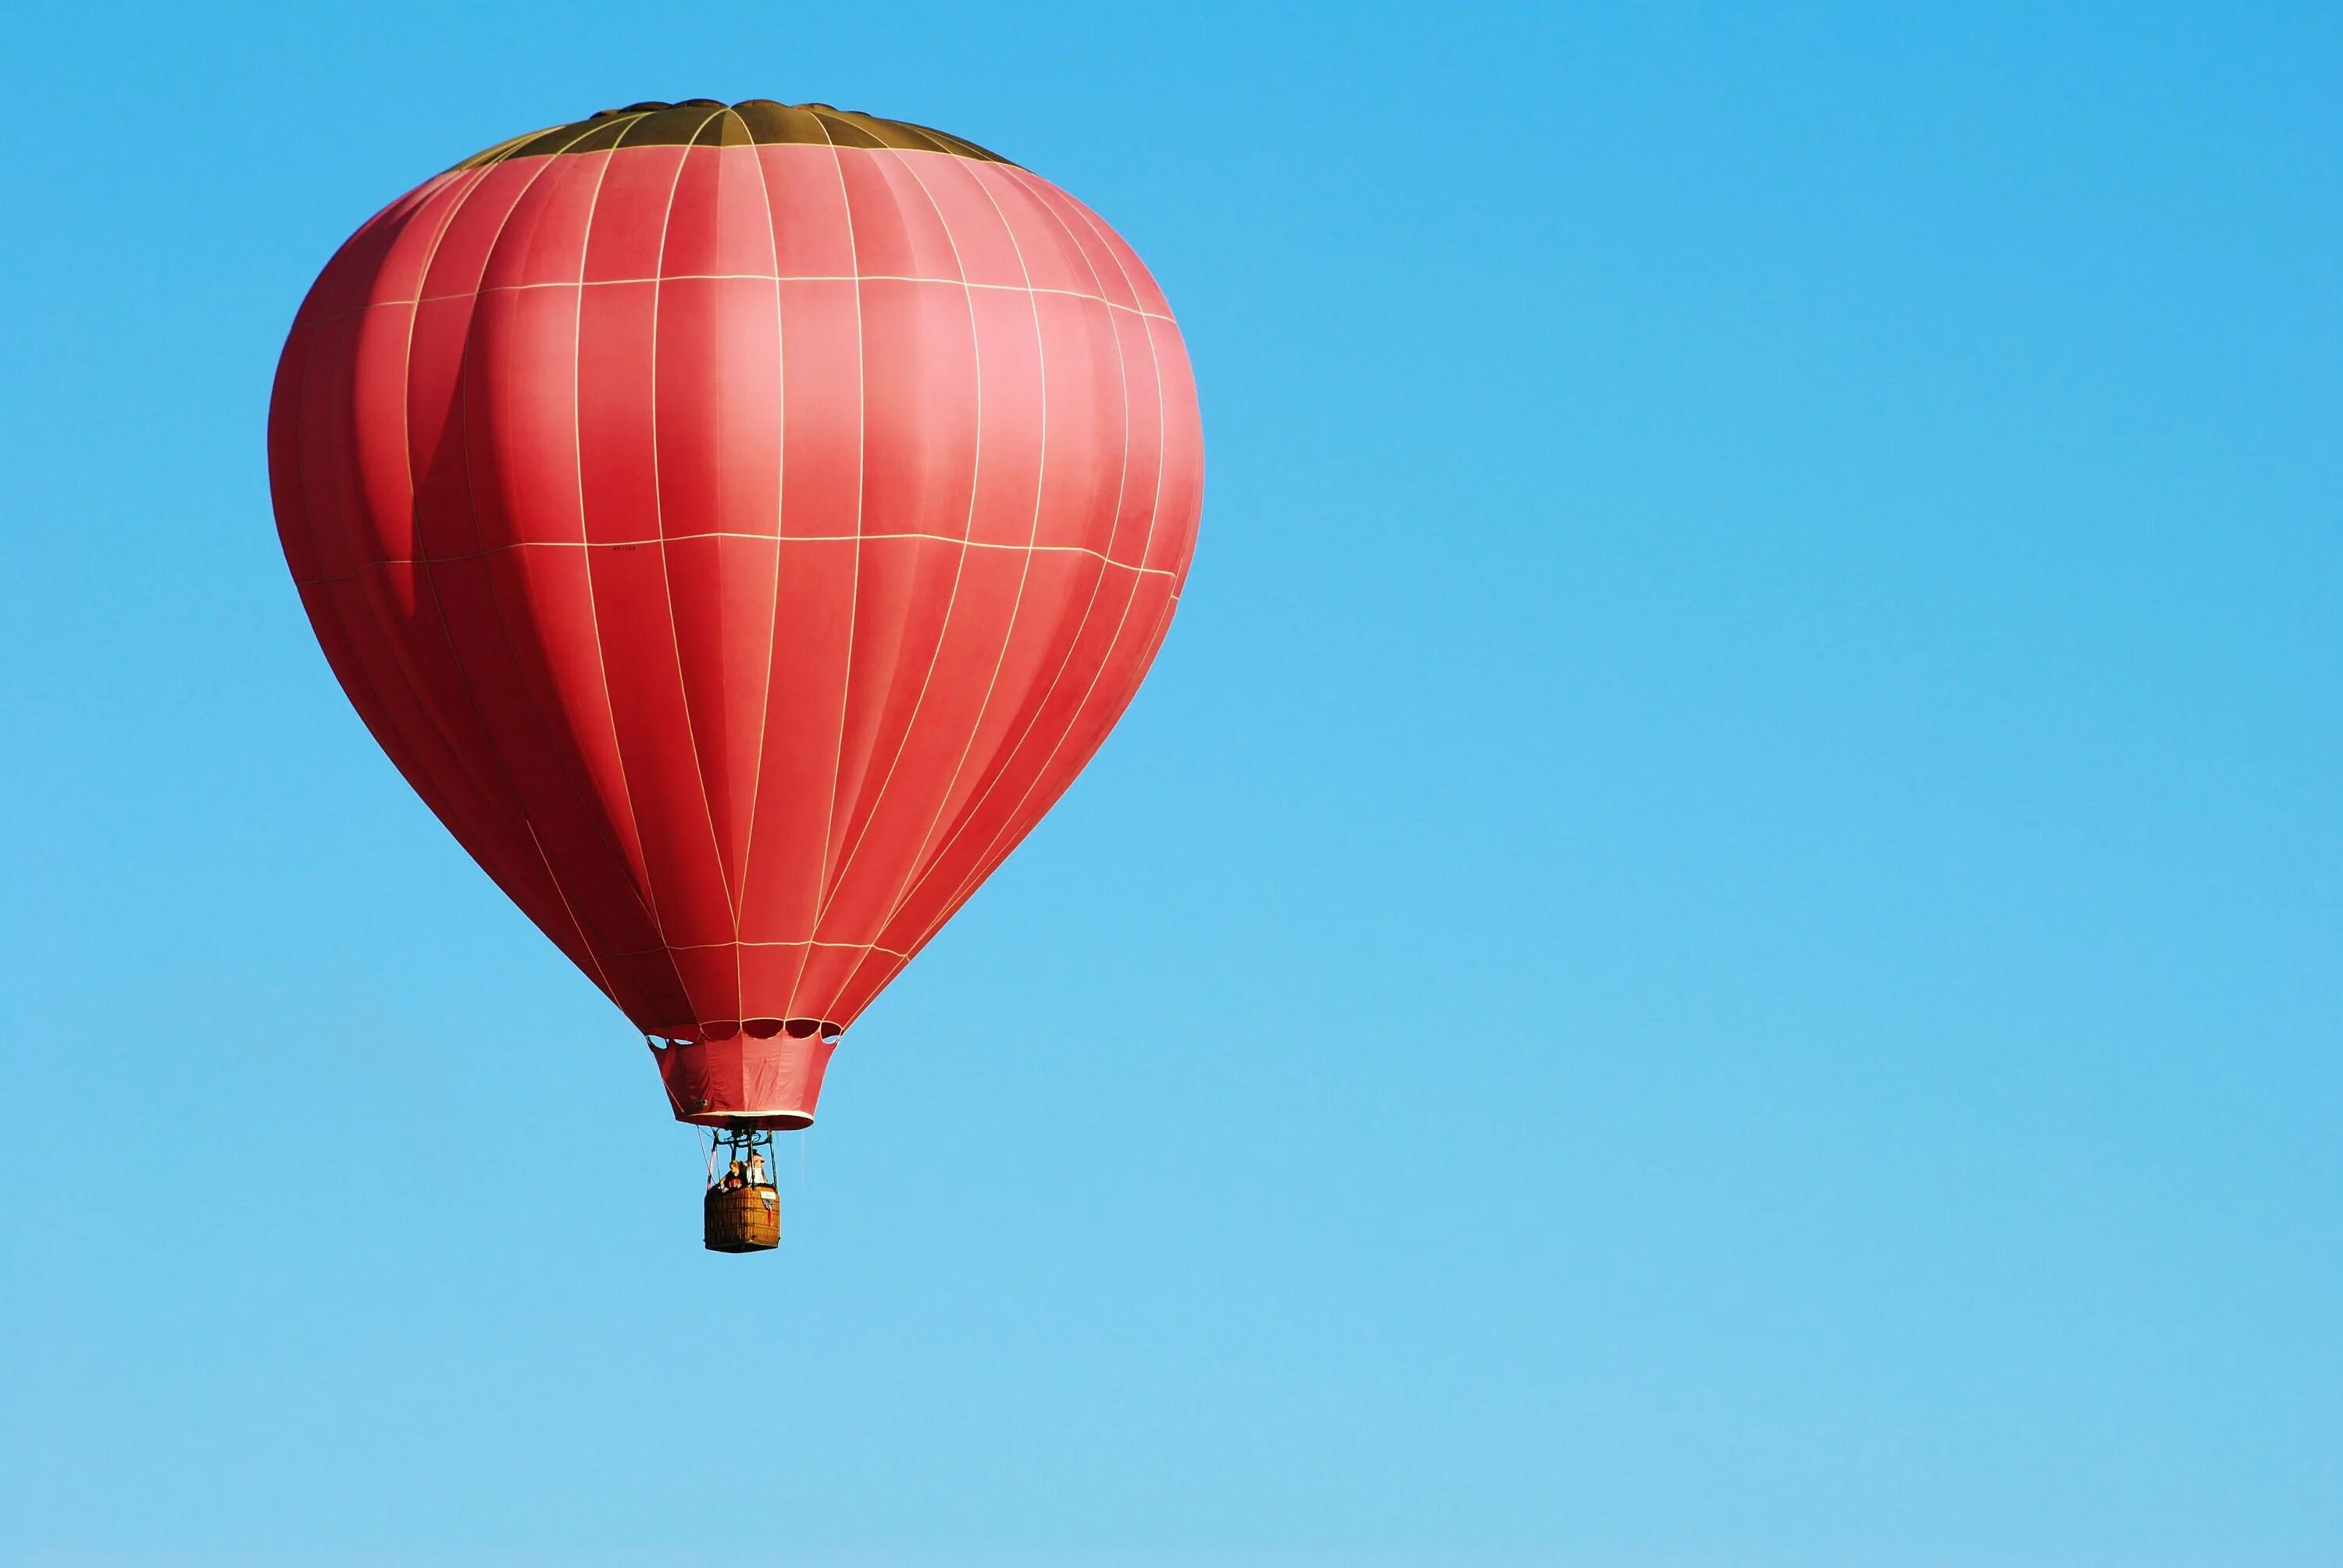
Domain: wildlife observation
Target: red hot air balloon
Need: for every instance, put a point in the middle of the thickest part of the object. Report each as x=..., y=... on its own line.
x=739, y=524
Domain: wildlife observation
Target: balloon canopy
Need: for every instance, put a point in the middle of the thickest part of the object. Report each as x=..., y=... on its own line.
x=739, y=524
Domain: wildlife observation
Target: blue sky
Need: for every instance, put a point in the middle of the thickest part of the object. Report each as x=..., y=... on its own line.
x=1716, y=942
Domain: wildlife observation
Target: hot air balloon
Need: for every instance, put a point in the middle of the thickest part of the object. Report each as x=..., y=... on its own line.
x=739, y=524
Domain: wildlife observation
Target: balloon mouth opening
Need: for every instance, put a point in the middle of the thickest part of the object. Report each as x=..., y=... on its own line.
x=752, y=1121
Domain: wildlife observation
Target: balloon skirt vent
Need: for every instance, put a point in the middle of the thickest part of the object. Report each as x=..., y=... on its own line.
x=742, y=1220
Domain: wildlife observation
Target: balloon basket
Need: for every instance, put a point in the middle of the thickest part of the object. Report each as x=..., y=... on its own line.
x=747, y=1220
x=742, y=1210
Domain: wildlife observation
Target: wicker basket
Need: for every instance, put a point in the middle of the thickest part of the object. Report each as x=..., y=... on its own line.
x=742, y=1220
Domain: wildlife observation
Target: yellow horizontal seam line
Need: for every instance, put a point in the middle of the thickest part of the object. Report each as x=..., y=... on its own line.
x=707, y=947
x=738, y=278
x=771, y=539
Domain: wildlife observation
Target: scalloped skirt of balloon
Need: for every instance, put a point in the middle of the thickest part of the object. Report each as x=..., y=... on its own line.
x=743, y=1082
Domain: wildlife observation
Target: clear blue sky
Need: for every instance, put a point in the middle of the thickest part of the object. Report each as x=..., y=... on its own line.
x=1719, y=940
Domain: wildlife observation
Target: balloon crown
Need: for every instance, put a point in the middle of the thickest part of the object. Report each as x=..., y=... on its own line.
x=706, y=122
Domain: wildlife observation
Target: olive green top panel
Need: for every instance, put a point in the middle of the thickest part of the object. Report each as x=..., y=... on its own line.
x=704, y=122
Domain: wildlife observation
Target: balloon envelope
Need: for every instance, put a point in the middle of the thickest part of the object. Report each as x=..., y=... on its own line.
x=739, y=524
